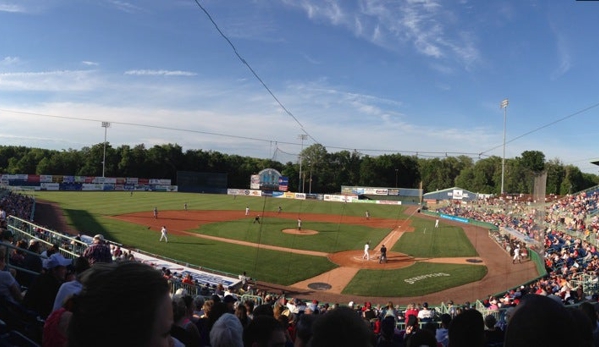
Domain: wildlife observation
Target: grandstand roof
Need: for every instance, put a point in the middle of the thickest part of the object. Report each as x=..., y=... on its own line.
x=454, y=193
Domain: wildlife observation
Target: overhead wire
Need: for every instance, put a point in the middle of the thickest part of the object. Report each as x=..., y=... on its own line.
x=253, y=71
x=545, y=126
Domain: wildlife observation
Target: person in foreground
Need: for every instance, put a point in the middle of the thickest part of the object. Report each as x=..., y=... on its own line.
x=122, y=304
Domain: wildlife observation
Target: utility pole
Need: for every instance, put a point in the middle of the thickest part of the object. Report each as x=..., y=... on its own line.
x=302, y=137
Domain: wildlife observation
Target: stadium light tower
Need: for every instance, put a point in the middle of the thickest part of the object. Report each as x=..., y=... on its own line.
x=302, y=137
x=503, y=105
x=105, y=125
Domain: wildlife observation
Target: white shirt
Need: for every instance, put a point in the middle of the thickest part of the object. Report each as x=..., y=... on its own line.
x=366, y=247
x=66, y=289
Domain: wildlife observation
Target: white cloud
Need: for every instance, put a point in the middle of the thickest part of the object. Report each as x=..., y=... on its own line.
x=125, y=6
x=47, y=81
x=426, y=25
x=9, y=61
x=12, y=8
x=563, y=56
x=159, y=73
x=89, y=63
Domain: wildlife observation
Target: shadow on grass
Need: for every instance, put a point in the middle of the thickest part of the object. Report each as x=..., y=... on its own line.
x=86, y=223
x=190, y=243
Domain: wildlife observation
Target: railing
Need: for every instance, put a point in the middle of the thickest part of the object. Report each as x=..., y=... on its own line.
x=23, y=229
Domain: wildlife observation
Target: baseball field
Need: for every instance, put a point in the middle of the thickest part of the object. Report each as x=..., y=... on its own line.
x=323, y=260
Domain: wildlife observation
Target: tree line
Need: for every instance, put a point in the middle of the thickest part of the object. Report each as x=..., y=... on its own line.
x=321, y=171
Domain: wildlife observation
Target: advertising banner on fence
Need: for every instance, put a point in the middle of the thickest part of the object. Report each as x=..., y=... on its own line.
x=49, y=186
x=33, y=178
x=91, y=186
x=45, y=178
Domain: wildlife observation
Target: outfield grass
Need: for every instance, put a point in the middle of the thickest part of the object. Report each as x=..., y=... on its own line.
x=330, y=238
x=426, y=241
x=90, y=213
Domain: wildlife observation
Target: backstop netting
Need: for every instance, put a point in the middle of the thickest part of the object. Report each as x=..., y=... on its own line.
x=538, y=199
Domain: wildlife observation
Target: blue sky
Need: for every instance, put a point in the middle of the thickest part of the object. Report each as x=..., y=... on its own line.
x=410, y=76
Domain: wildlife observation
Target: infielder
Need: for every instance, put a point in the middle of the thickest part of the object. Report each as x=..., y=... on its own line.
x=163, y=234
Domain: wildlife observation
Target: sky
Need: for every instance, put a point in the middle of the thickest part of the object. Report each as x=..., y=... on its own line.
x=252, y=77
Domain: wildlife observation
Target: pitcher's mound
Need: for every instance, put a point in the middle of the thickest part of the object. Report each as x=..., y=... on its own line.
x=354, y=259
x=300, y=232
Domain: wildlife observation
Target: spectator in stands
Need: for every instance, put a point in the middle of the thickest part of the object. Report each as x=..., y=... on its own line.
x=467, y=330
x=242, y=314
x=73, y=287
x=249, y=304
x=32, y=262
x=412, y=326
x=541, y=321
x=389, y=336
x=442, y=334
x=42, y=292
x=425, y=314
x=203, y=322
x=230, y=300
x=265, y=331
x=55, y=248
x=422, y=338
x=17, y=258
x=6, y=236
x=9, y=288
x=183, y=328
x=122, y=304
x=303, y=330
x=227, y=332
x=493, y=334
x=590, y=310
x=411, y=310
x=98, y=251
x=198, y=307
x=341, y=327
x=367, y=312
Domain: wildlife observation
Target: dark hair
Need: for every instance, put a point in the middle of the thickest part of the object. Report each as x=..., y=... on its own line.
x=467, y=329
x=341, y=327
x=80, y=264
x=421, y=338
x=537, y=319
x=303, y=327
x=117, y=299
x=260, y=330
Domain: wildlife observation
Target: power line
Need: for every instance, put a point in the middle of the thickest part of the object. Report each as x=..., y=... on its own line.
x=252, y=71
x=545, y=126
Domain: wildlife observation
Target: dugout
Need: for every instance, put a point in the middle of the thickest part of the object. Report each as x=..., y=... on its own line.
x=202, y=182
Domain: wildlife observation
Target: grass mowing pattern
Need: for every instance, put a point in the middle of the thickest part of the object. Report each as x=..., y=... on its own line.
x=393, y=282
x=330, y=238
x=87, y=212
x=427, y=242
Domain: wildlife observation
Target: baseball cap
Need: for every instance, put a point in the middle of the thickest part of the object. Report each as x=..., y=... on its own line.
x=55, y=260
x=99, y=237
x=229, y=298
